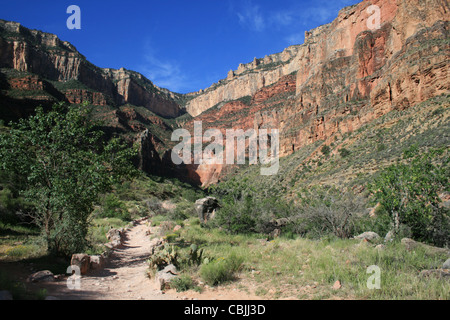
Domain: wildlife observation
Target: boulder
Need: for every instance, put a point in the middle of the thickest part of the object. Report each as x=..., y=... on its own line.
x=96, y=262
x=368, y=236
x=115, y=237
x=82, y=261
x=206, y=208
x=435, y=273
x=446, y=264
x=165, y=276
x=42, y=276
x=411, y=245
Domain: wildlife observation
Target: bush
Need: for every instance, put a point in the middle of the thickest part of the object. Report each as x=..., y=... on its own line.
x=182, y=283
x=183, y=211
x=344, y=152
x=329, y=212
x=114, y=208
x=220, y=270
x=326, y=150
x=409, y=193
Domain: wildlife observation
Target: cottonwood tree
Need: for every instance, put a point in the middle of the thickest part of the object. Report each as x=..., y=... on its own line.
x=409, y=192
x=65, y=164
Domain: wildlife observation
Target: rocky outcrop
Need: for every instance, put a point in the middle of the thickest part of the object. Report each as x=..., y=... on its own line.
x=245, y=81
x=206, y=208
x=38, y=53
x=344, y=76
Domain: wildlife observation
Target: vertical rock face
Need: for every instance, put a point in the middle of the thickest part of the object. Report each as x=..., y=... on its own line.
x=43, y=54
x=245, y=81
x=345, y=75
x=367, y=59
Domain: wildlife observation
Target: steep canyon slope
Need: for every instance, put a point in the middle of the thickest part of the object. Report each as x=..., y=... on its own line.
x=345, y=76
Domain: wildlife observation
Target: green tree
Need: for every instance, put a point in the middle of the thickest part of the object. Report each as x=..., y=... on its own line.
x=65, y=164
x=409, y=192
x=326, y=150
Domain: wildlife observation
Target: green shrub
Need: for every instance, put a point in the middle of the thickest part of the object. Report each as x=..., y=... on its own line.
x=326, y=150
x=221, y=270
x=409, y=192
x=114, y=208
x=182, y=283
x=326, y=211
x=183, y=211
x=344, y=152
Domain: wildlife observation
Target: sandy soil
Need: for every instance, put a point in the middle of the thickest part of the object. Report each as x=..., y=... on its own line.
x=124, y=277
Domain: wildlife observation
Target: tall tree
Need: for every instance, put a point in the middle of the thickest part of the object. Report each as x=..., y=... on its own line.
x=65, y=164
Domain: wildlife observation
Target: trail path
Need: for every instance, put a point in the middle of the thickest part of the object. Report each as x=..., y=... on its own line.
x=124, y=276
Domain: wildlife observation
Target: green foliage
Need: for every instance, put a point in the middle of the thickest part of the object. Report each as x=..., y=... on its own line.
x=182, y=211
x=326, y=150
x=162, y=257
x=344, y=152
x=64, y=164
x=327, y=211
x=244, y=210
x=195, y=255
x=221, y=270
x=113, y=207
x=409, y=192
x=182, y=283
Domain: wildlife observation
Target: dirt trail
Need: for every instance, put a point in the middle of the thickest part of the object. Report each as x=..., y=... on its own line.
x=124, y=276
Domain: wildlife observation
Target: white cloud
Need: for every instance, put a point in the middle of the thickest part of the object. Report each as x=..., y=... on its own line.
x=163, y=72
x=251, y=17
x=295, y=38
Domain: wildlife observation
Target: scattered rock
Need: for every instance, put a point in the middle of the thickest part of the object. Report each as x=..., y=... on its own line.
x=337, y=285
x=165, y=276
x=206, y=208
x=82, y=261
x=437, y=273
x=411, y=245
x=41, y=276
x=5, y=295
x=369, y=236
x=389, y=236
x=177, y=227
x=97, y=262
x=115, y=236
x=380, y=247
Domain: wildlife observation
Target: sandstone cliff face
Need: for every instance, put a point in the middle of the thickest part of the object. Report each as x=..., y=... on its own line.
x=245, y=81
x=341, y=41
x=347, y=75
x=45, y=55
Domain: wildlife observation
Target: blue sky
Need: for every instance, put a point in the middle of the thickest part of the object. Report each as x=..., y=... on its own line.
x=181, y=45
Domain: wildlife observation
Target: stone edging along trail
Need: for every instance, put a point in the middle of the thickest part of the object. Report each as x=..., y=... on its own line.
x=123, y=277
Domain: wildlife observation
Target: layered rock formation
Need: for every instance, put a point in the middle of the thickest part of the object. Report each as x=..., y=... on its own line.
x=347, y=75
x=38, y=53
x=245, y=81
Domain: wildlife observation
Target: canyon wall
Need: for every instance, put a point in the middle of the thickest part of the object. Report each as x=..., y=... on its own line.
x=347, y=76
x=43, y=54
